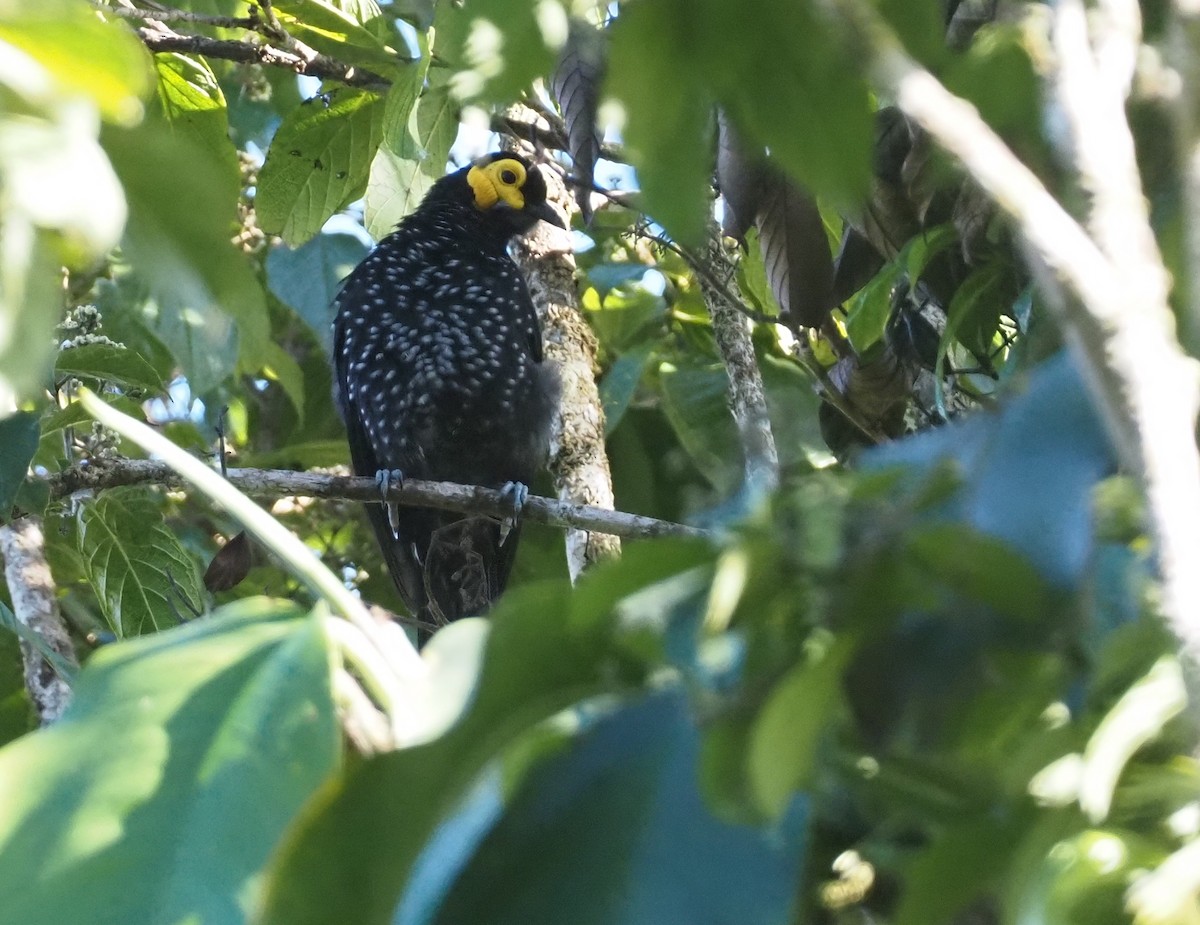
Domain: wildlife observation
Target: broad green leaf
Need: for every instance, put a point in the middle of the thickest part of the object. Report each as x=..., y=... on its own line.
x=784, y=75
x=331, y=30
x=793, y=405
x=143, y=577
x=783, y=744
x=31, y=304
x=1043, y=513
x=694, y=401
x=122, y=301
x=998, y=76
x=280, y=366
x=178, y=240
x=350, y=858
x=983, y=568
x=308, y=278
x=500, y=46
x=416, y=145
x=613, y=831
x=624, y=319
x=921, y=26
x=74, y=414
x=318, y=162
x=620, y=383
x=57, y=178
x=81, y=53
x=975, y=310
x=666, y=131
x=18, y=443
x=869, y=309
x=163, y=790
x=193, y=104
x=1137, y=718
x=108, y=363
x=922, y=249
x=1081, y=879
x=752, y=276
x=962, y=864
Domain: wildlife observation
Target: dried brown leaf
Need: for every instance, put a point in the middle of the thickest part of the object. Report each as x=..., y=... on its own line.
x=795, y=251
x=575, y=85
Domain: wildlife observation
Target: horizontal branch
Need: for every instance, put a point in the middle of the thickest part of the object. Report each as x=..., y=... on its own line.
x=322, y=66
x=446, y=496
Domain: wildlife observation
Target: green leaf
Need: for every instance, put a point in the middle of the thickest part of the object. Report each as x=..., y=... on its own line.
x=31, y=304
x=623, y=801
x=975, y=310
x=122, y=303
x=752, y=276
x=181, y=217
x=416, y=145
x=963, y=863
x=694, y=401
x=329, y=30
x=921, y=26
x=308, y=278
x=81, y=53
x=786, y=735
x=500, y=46
x=922, y=249
x=870, y=308
x=182, y=758
x=18, y=443
x=350, y=858
x=318, y=162
x=109, y=363
x=193, y=105
x=666, y=131
x=620, y=383
x=280, y=366
x=1081, y=879
x=138, y=567
x=622, y=321
x=58, y=179
x=784, y=75
x=983, y=568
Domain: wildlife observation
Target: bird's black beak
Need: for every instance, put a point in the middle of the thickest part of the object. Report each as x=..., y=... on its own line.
x=546, y=213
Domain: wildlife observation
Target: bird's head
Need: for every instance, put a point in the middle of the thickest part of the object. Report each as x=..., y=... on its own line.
x=511, y=191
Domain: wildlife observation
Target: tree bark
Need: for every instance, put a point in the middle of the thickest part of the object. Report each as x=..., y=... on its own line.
x=35, y=605
x=579, y=460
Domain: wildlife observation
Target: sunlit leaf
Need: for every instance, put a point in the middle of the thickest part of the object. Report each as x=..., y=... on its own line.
x=318, y=162
x=143, y=577
x=183, y=757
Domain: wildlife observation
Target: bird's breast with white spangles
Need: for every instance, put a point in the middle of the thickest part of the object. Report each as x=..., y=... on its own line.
x=437, y=346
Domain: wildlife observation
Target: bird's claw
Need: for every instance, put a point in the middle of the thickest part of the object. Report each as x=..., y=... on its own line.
x=517, y=493
x=386, y=479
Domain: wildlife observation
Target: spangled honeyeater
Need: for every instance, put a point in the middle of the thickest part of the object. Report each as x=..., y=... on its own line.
x=440, y=375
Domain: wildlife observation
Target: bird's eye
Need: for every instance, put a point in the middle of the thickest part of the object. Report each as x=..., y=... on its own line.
x=508, y=177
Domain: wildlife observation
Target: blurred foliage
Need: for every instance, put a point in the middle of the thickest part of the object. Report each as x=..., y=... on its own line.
x=920, y=683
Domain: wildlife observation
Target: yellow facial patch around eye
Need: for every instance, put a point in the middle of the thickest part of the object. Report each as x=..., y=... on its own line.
x=498, y=181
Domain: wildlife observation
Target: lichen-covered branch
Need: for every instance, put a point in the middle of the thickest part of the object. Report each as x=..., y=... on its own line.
x=277, y=483
x=579, y=460
x=747, y=397
x=31, y=587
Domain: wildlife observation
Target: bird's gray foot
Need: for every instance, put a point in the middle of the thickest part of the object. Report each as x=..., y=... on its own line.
x=386, y=479
x=517, y=493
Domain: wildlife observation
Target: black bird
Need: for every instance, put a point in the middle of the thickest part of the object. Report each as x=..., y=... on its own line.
x=440, y=375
